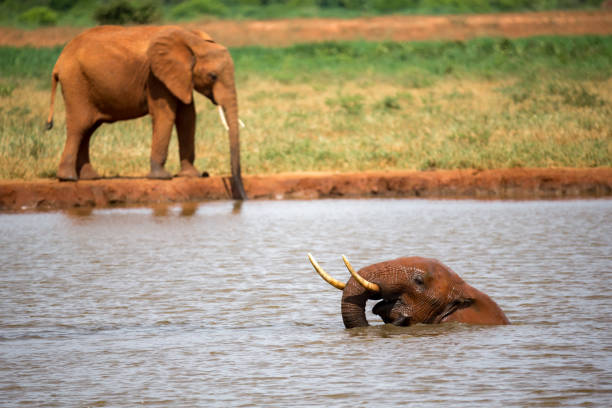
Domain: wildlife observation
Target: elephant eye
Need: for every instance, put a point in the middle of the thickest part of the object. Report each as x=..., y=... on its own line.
x=212, y=76
x=418, y=279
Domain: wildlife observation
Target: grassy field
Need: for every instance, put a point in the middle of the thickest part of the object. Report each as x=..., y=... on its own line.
x=355, y=106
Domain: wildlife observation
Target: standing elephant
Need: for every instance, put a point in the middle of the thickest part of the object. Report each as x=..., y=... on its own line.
x=413, y=290
x=112, y=73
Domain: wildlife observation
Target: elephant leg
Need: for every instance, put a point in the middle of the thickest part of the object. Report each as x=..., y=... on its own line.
x=162, y=130
x=185, y=129
x=83, y=164
x=78, y=128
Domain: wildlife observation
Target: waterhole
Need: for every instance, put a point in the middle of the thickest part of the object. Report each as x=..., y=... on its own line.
x=216, y=304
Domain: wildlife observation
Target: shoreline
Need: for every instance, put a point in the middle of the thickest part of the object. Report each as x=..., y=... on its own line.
x=497, y=184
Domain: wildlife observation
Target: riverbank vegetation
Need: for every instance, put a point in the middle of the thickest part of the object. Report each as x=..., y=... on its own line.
x=355, y=106
x=33, y=13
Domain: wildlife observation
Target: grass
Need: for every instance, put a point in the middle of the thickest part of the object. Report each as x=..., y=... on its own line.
x=355, y=106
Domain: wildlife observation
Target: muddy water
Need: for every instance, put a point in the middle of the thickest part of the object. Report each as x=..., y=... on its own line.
x=216, y=305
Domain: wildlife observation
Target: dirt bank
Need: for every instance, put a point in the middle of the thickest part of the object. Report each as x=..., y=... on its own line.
x=489, y=184
x=398, y=28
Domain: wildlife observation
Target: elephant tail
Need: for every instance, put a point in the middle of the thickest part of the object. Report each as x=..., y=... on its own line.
x=54, y=80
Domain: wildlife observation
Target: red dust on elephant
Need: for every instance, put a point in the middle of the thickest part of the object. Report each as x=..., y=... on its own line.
x=412, y=290
x=112, y=73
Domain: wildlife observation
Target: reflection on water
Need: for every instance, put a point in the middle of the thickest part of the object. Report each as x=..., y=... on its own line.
x=216, y=304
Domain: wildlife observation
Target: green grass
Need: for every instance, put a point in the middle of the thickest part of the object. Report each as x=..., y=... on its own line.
x=483, y=57
x=356, y=106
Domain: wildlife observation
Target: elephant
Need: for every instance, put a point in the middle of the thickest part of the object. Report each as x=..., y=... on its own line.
x=112, y=73
x=412, y=290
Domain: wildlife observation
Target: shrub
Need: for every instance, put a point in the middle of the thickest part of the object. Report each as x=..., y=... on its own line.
x=41, y=15
x=124, y=12
x=146, y=13
x=61, y=5
x=456, y=6
x=193, y=8
x=386, y=6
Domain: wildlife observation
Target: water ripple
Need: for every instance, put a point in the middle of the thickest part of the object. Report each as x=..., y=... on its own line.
x=217, y=305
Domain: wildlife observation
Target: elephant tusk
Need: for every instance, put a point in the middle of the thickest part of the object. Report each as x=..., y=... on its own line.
x=224, y=120
x=335, y=283
x=366, y=284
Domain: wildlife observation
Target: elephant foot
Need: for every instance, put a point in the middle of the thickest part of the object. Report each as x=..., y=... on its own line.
x=187, y=170
x=67, y=178
x=159, y=174
x=88, y=173
x=66, y=175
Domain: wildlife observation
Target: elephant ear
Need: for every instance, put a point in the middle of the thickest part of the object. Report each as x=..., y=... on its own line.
x=172, y=63
x=204, y=36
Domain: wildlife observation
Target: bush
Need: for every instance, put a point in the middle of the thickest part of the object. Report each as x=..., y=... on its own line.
x=146, y=13
x=457, y=6
x=61, y=5
x=124, y=12
x=386, y=6
x=193, y=8
x=43, y=16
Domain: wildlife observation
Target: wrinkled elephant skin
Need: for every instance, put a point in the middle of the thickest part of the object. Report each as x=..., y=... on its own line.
x=413, y=290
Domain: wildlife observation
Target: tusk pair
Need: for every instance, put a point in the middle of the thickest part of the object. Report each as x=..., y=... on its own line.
x=339, y=285
x=224, y=120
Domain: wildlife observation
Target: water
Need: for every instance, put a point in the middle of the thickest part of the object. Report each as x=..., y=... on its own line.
x=216, y=305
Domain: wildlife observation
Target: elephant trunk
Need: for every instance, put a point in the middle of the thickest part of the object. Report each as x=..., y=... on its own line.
x=231, y=113
x=354, y=298
x=355, y=293
x=229, y=102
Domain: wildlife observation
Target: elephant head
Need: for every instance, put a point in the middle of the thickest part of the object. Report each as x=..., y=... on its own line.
x=184, y=61
x=412, y=290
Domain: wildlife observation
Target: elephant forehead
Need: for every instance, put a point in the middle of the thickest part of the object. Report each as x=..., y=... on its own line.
x=430, y=266
x=391, y=272
x=413, y=266
x=403, y=270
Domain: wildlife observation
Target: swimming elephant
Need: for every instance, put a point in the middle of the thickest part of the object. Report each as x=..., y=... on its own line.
x=112, y=73
x=412, y=290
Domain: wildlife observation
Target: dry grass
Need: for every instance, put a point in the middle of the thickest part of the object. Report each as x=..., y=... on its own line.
x=349, y=126
x=332, y=107
x=362, y=125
